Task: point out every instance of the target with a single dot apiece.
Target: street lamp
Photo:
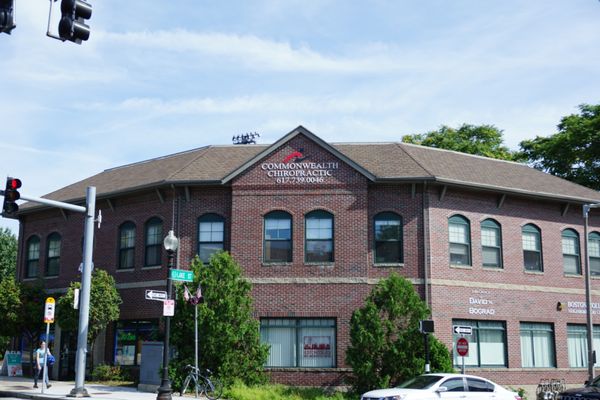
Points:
(164, 391)
(588, 291)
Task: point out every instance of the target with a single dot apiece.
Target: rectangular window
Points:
(299, 342)
(532, 254)
(129, 336)
(278, 239)
(577, 344)
(211, 234)
(570, 249)
(319, 239)
(490, 247)
(154, 244)
(594, 253)
(537, 345)
(53, 259)
(487, 344)
(33, 258)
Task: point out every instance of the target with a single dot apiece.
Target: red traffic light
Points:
(13, 183)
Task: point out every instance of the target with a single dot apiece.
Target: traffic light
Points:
(71, 26)
(7, 16)
(11, 195)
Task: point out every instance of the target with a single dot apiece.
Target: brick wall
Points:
(333, 290)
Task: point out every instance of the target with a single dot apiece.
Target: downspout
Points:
(426, 258)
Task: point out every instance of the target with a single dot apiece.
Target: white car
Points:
(443, 386)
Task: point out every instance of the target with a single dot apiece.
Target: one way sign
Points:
(159, 295)
(462, 330)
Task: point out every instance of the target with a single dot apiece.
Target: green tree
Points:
(386, 346)
(8, 253)
(10, 301)
(483, 140)
(573, 152)
(104, 307)
(30, 323)
(229, 342)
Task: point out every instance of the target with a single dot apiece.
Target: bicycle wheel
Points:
(185, 385)
(213, 388)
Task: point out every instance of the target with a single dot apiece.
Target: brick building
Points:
(490, 244)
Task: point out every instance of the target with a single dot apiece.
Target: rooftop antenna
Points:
(245, 138)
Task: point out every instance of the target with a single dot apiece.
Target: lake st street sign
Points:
(462, 330)
(181, 275)
(159, 295)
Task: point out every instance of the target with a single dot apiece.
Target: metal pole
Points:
(45, 368)
(196, 342)
(427, 368)
(86, 282)
(164, 391)
(588, 296)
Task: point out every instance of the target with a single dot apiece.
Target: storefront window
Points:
(129, 336)
(537, 345)
(487, 344)
(299, 342)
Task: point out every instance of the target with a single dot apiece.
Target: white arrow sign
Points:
(159, 295)
(462, 330)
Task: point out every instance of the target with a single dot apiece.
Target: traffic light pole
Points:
(86, 278)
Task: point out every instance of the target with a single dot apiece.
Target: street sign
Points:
(169, 308)
(159, 295)
(181, 275)
(462, 347)
(49, 310)
(462, 330)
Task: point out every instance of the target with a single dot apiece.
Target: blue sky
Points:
(161, 77)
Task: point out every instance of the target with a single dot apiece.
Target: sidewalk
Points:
(23, 388)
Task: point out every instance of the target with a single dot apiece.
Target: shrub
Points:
(104, 372)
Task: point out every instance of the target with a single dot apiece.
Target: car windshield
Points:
(420, 382)
(595, 382)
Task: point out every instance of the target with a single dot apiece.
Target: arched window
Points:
(53, 255)
(318, 237)
(154, 237)
(388, 238)
(33, 257)
(594, 253)
(211, 234)
(278, 237)
(459, 235)
(127, 245)
(491, 243)
(570, 250)
(532, 248)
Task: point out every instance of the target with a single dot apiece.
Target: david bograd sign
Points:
(295, 168)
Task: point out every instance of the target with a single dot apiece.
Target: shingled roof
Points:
(380, 162)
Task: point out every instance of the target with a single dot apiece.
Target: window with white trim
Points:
(459, 237)
(537, 345)
(570, 250)
(295, 342)
(491, 243)
(278, 237)
(532, 248)
(211, 236)
(487, 344)
(594, 253)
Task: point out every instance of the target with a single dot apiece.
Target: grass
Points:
(239, 391)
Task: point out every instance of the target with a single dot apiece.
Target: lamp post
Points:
(588, 292)
(164, 391)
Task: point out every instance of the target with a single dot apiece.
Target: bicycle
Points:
(212, 388)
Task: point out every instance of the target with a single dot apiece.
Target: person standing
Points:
(40, 355)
